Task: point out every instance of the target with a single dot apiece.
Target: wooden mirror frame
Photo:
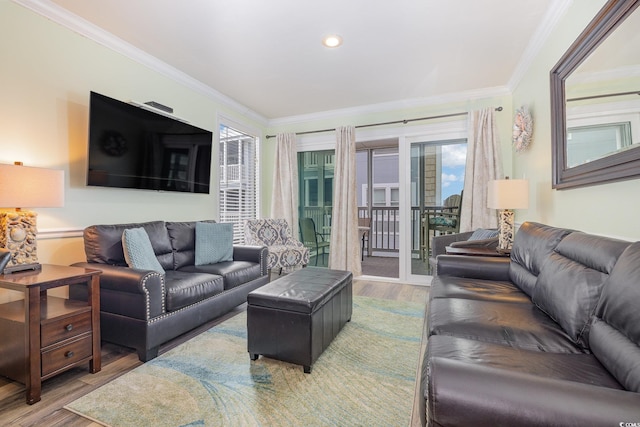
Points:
(618, 166)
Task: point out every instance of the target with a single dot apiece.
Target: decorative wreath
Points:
(522, 128)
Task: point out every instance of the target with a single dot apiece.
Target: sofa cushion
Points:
(287, 256)
(234, 273)
(578, 367)
(615, 333)
(182, 236)
(103, 243)
(532, 245)
(138, 251)
(571, 280)
(512, 324)
(485, 290)
(184, 288)
(214, 243)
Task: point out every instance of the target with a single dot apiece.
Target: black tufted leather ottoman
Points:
(295, 318)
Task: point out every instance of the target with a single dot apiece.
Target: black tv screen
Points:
(131, 147)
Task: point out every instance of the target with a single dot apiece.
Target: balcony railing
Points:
(385, 225)
(229, 173)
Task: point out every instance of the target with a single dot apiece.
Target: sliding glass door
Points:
(399, 177)
(315, 170)
(437, 172)
(378, 188)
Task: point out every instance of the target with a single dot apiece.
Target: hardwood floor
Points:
(116, 360)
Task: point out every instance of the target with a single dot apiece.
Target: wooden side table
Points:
(451, 250)
(41, 335)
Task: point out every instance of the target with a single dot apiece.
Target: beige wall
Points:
(608, 209)
(46, 75)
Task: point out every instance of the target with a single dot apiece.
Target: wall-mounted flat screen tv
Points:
(131, 147)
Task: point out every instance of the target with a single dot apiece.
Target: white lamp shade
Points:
(508, 194)
(29, 187)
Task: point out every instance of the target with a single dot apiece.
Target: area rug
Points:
(365, 377)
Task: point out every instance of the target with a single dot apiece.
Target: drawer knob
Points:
(68, 354)
(69, 327)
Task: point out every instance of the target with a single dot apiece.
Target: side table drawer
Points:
(72, 352)
(65, 328)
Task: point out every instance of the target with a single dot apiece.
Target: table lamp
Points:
(506, 195)
(25, 187)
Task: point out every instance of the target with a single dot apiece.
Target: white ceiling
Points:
(268, 56)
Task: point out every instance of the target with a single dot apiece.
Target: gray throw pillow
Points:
(138, 251)
(481, 234)
(214, 242)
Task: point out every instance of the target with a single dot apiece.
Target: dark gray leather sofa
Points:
(550, 336)
(144, 309)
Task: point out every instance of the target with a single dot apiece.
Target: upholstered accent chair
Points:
(285, 252)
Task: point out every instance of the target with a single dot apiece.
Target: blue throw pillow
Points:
(138, 251)
(481, 234)
(214, 242)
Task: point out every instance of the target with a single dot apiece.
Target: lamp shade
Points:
(29, 187)
(508, 194)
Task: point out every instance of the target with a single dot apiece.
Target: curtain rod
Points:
(606, 95)
(405, 121)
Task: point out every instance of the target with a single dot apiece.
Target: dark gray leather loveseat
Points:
(143, 309)
(550, 336)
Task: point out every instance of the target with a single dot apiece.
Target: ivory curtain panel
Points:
(344, 252)
(484, 163)
(284, 202)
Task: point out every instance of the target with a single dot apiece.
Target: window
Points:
(588, 143)
(596, 133)
(383, 195)
(238, 179)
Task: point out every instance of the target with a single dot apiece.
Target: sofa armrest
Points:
(439, 243)
(474, 267)
(257, 254)
(464, 394)
(479, 243)
(140, 285)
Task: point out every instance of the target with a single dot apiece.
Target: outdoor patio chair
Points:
(313, 240)
(441, 220)
(364, 228)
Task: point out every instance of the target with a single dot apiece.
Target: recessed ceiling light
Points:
(333, 40)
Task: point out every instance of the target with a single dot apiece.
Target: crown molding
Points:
(549, 22)
(74, 23)
(394, 106)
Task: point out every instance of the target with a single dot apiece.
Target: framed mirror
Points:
(595, 101)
